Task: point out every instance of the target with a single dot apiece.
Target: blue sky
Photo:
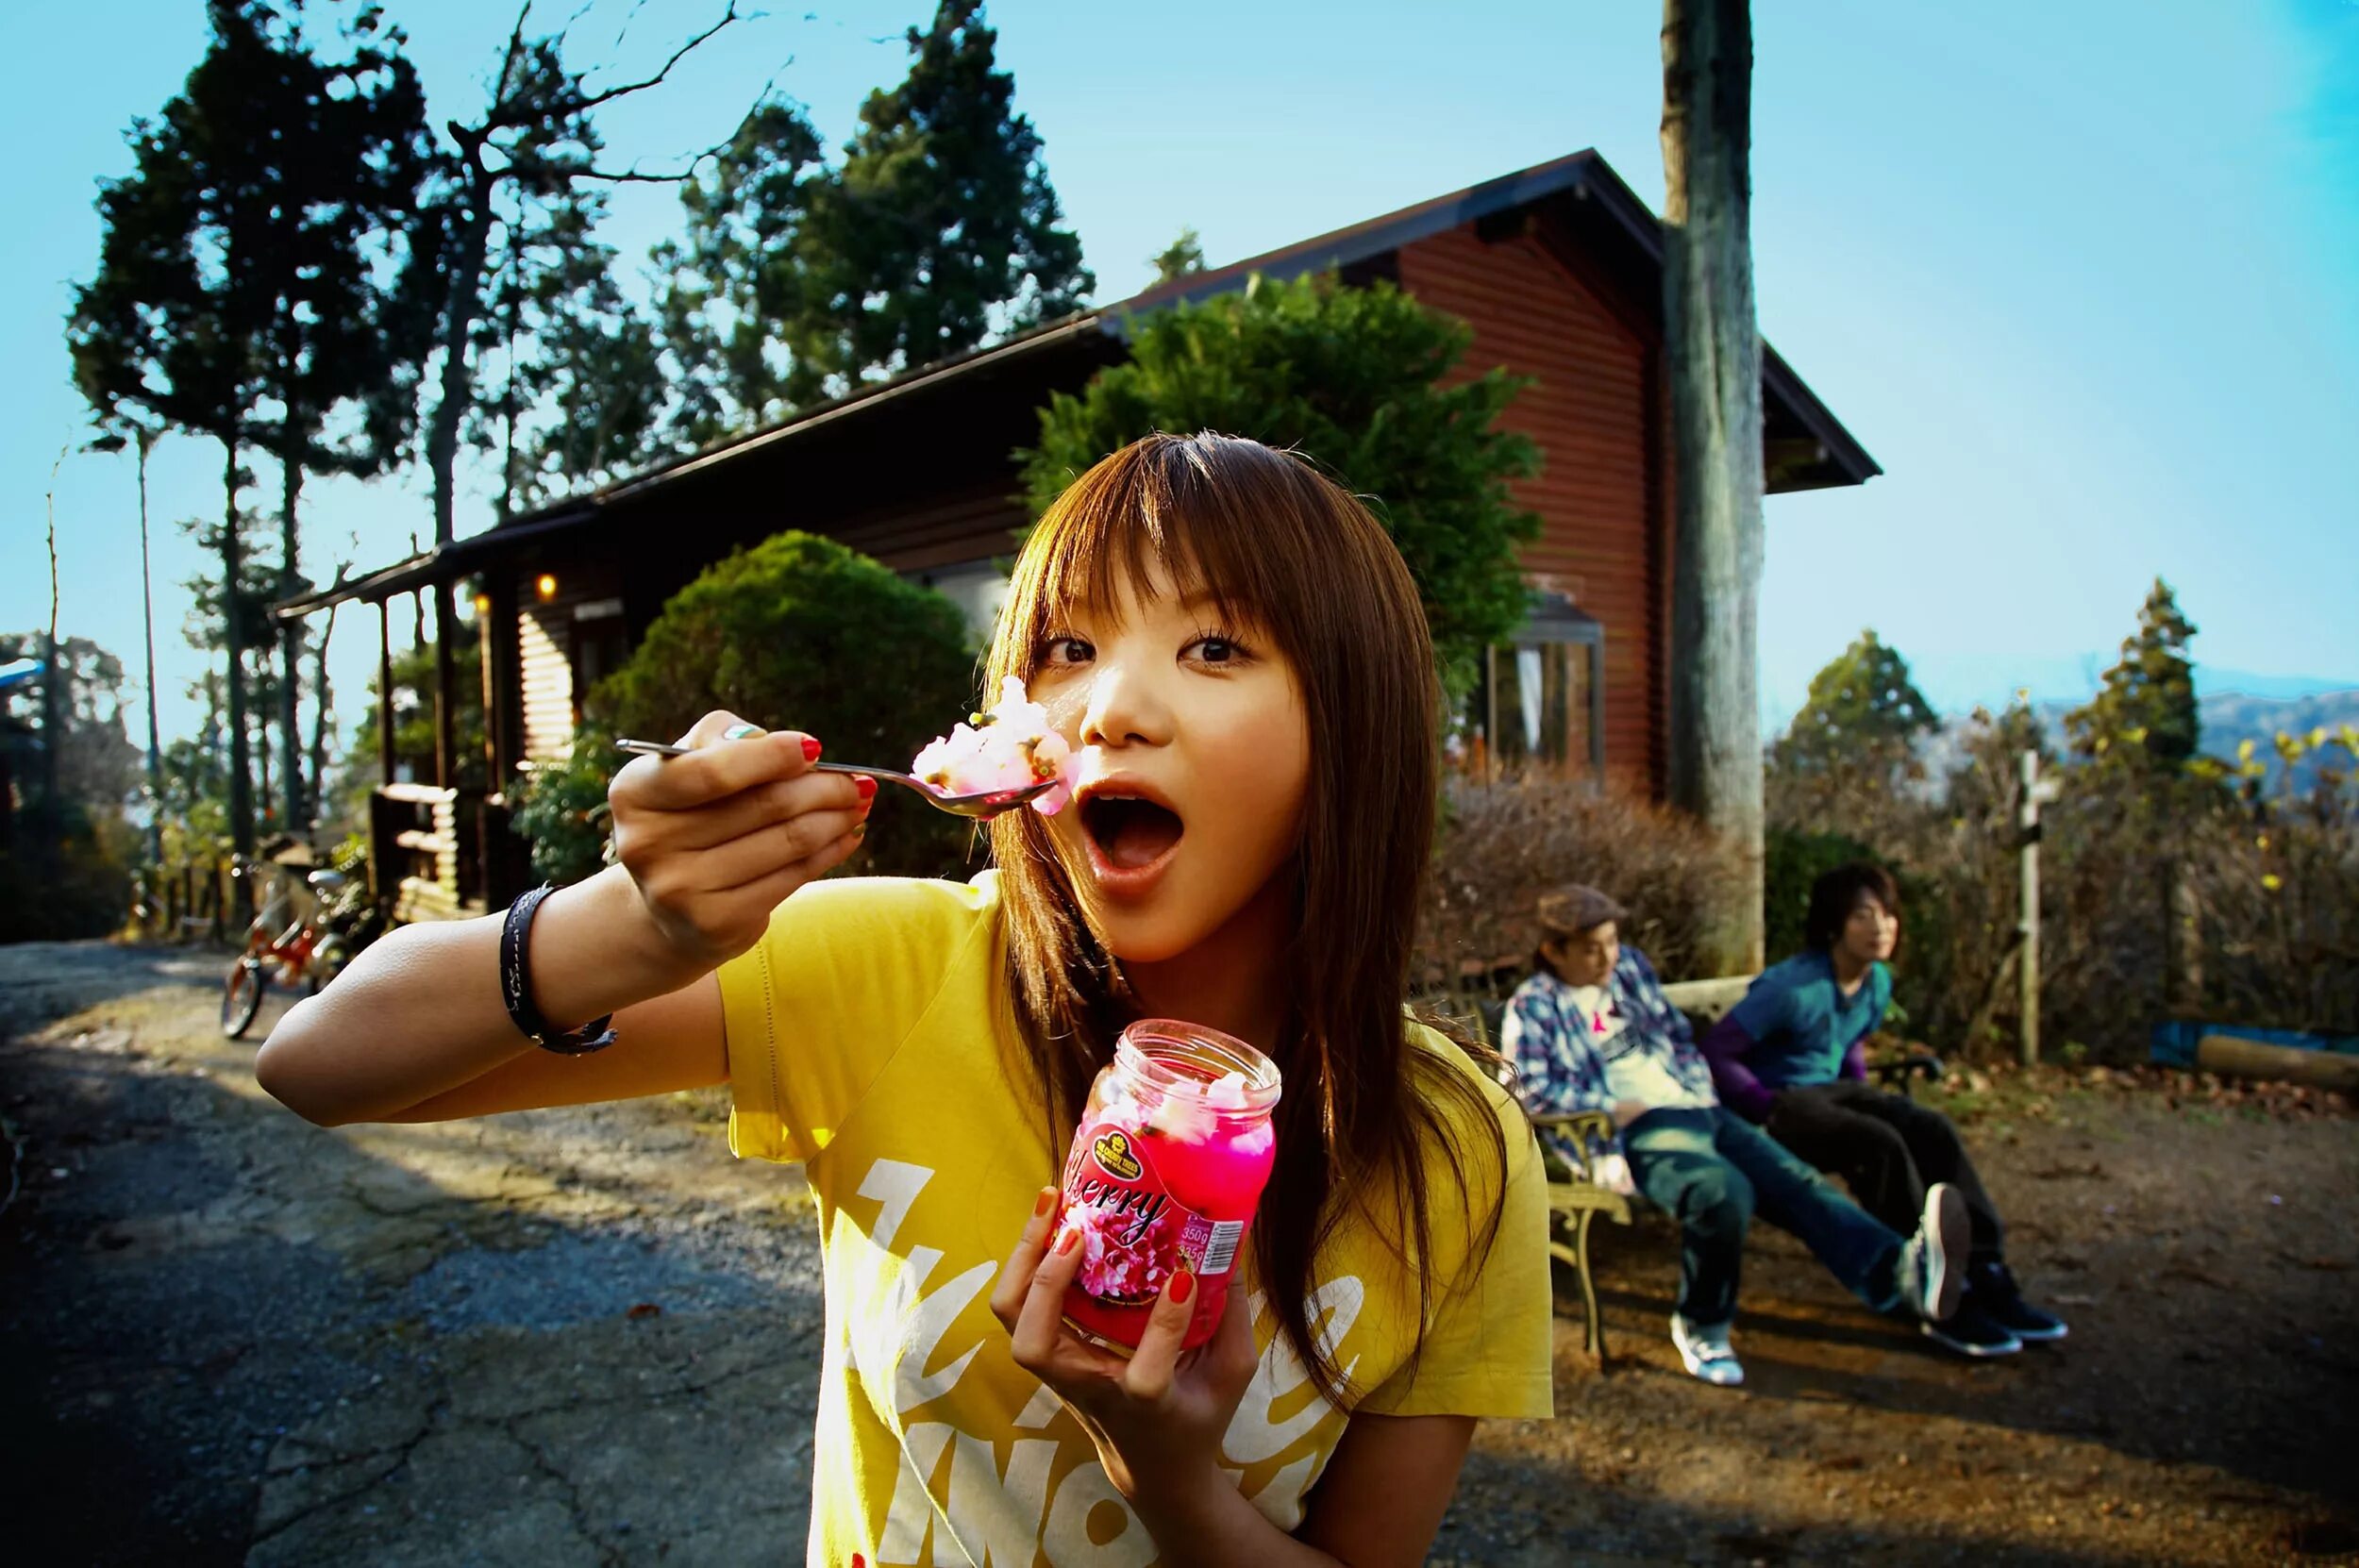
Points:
(2081, 277)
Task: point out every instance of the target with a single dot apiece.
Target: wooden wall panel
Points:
(1587, 408)
(544, 638)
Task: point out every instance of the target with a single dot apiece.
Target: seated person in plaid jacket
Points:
(1592, 1030)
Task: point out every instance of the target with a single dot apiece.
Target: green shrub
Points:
(560, 809)
(801, 633)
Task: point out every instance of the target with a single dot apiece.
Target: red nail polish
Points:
(865, 785)
(810, 749)
(1182, 1286)
(1065, 1239)
(1040, 1204)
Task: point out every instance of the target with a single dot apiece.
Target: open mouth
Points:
(1131, 833)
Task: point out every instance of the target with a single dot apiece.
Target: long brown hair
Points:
(1285, 549)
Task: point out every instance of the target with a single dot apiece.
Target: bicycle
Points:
(312, 949)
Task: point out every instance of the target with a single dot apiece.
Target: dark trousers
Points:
(1889, 1149)
(1710, 1170)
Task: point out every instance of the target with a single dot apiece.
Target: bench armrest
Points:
(1901, 1071)
(1579, 1126)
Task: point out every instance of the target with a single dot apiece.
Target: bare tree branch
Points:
(595, 99)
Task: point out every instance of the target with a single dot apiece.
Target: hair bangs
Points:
(1218, 518)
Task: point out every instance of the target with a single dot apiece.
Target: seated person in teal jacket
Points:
(1793, 1057)
(1592, 1030)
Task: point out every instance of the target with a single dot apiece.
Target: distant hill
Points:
(2229, 718)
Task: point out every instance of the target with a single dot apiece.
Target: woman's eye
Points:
(1065, 650)
(1217, 650)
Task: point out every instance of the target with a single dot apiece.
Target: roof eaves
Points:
(580, 507)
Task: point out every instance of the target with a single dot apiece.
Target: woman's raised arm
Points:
(710, 843)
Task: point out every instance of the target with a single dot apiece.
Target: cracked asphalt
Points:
(572, 1337)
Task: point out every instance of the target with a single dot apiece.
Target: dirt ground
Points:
(590, 1336)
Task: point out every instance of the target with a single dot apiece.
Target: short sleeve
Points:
(816, 1009)
(1489, 1345)
(1765, 1011)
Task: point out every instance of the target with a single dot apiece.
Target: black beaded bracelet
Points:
(516, 987)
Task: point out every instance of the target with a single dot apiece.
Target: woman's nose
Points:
(1123, 706)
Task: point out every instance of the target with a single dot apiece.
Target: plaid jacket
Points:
(1547, 1038)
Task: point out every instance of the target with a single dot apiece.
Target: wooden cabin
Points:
(1558, 271)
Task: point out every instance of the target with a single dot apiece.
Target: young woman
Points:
(1236, 652)
(1793, 1056)
(1592, 1030)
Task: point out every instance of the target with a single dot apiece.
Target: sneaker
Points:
(1970, 1331)
(1931, 1280)
(1706, 1353)
(1991, 1286)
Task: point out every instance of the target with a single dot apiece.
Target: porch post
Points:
(384, 690)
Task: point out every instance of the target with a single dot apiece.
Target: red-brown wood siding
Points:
(1587, 407)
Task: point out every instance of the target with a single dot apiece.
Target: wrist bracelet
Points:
(516, 987)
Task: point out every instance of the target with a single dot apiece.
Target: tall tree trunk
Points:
(464, 302)
(241, 763)
(291, 642)
(1713, 357)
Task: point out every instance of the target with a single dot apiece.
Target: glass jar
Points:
(1165, 1173)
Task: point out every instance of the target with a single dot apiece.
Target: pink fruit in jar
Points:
(1165, 1173)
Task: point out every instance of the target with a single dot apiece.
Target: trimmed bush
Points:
(801, 633)
(1502, 844)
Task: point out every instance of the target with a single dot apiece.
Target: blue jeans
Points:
(1711, 1170)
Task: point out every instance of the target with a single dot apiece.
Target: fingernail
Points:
(1041, 1204)
(860, 831)
(1065, 1239)
(810, 749)
(738, 732)
(865, 785)
(1182, 1286)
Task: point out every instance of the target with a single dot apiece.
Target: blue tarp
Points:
(2173, 1044)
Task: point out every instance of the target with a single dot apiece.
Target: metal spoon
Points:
(982, 806)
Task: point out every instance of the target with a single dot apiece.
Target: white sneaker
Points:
(1932, 1272)
(1706, 1352)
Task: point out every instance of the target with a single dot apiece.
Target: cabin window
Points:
(977, 587)
(1540, 697)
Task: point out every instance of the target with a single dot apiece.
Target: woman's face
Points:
(1871, 931)
(1195, 763)
(1585, 958)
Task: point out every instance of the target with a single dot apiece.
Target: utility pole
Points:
(147, 439)
(2033, 792)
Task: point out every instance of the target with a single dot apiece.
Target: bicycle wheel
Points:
(241, 996)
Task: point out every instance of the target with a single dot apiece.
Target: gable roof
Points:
(1581, 189)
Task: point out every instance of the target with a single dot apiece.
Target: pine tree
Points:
(736, 294)
(2144, 716)
(1863, 701)
(942, 228)
(1183, 258)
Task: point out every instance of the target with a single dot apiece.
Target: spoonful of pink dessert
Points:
(1005, 758)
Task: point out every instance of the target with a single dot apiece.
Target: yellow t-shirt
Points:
(870, 1033)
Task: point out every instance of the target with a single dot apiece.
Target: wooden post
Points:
(446, 700)
(1712, 355)
(2182, 949)
(384, 690)
(2027, 920)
